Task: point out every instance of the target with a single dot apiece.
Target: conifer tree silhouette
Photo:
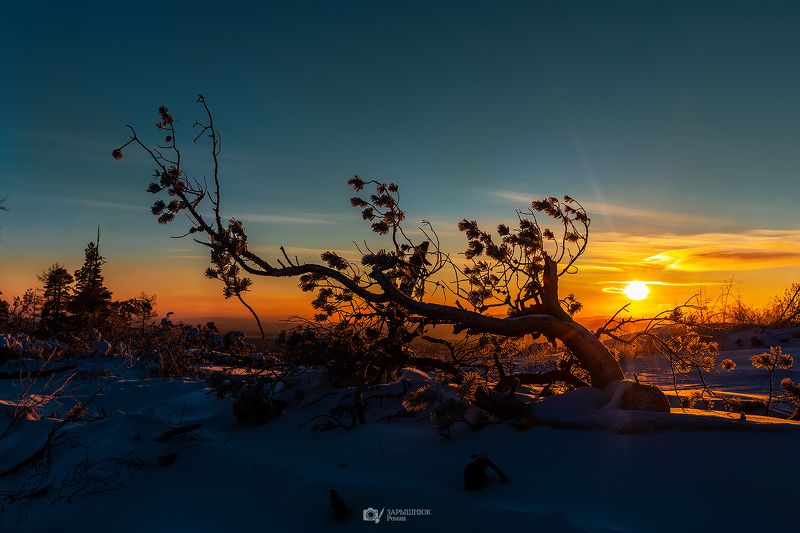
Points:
(92, 297)
(57, 283)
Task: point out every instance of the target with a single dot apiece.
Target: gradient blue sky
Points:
(671, 119)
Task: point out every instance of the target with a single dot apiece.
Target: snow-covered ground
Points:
(590, 468)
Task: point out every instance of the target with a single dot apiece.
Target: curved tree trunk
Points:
(587, 348)
(552, 323)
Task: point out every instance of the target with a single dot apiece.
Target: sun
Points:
(637, 290)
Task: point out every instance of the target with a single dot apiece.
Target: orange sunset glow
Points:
(759, 264)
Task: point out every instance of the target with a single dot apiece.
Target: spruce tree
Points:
(92, 297)
(57, 283)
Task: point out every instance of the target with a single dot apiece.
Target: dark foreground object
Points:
(475, 473)
(340, 510)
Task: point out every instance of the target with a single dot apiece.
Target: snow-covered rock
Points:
(633, 396)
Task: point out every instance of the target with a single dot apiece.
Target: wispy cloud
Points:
(716, 258)
(650, 216)
(699, 252)
(96, 204)
(55, 138)
(299, 218)
(615, 289)
(619, 290)
(598, 268)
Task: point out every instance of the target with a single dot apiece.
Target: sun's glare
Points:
(637, 290)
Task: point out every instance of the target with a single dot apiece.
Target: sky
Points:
(675, 123)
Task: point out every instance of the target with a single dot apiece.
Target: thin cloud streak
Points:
(620, 290)
(613, 290)
(289, 219)
(716, 258)
(600, 268)
(612, 210)
(614, 287)
(98, 204)
(701, 252)
(54, 138)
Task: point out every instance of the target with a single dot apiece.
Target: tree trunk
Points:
(592, 354)
(587, 348)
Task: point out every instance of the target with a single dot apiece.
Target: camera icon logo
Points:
(372, 515)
